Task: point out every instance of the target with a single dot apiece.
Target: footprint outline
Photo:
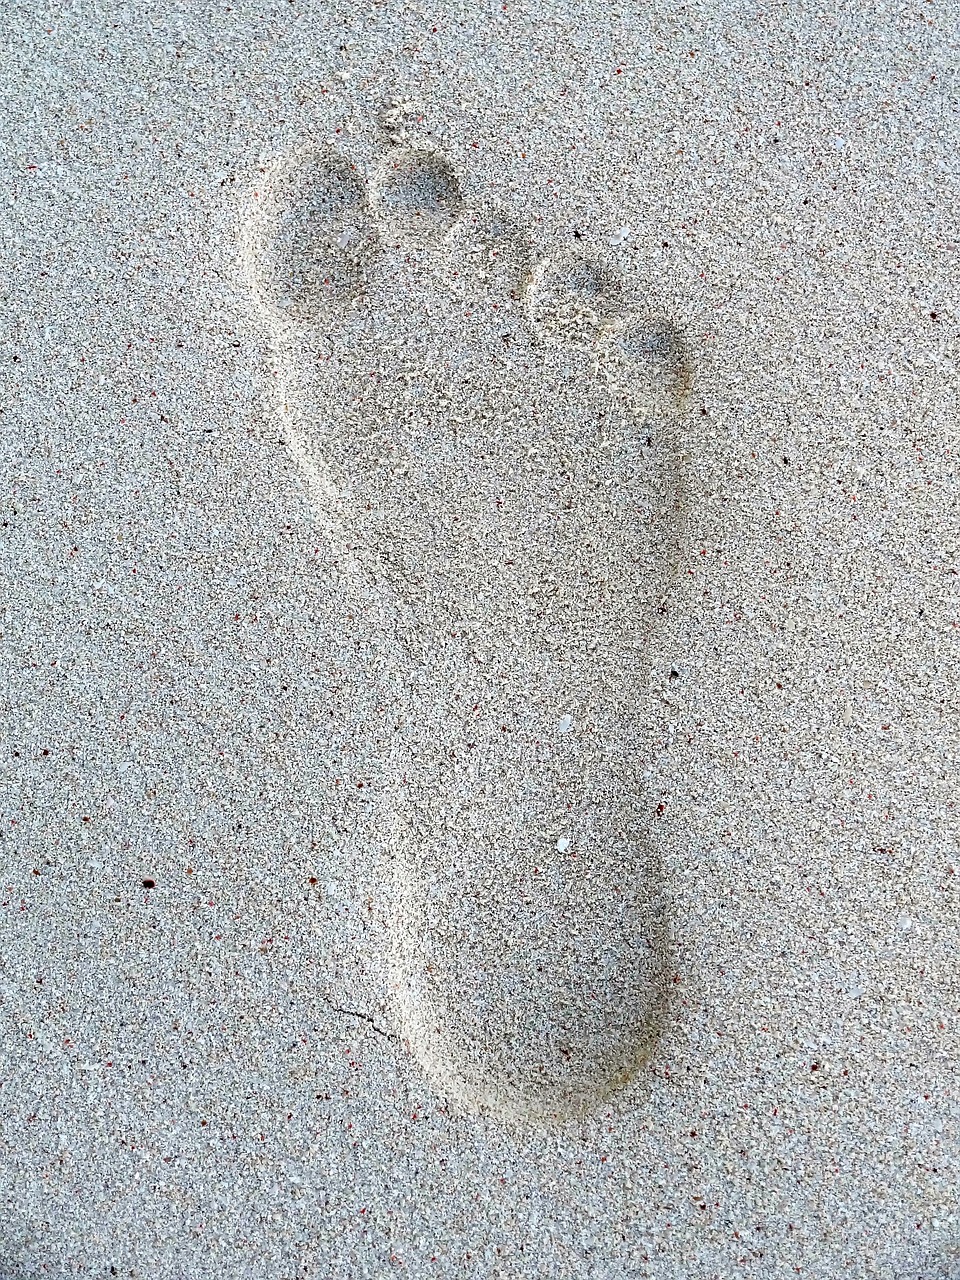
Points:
(598, 326)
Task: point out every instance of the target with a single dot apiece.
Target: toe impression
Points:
(309, 237)
(417, 196)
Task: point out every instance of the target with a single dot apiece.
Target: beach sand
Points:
(480, 627)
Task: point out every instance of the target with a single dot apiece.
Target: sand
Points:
(479, 637)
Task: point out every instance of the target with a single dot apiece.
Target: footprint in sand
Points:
(495, 438)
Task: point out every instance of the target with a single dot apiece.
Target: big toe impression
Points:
(309, 237)
(531, 981)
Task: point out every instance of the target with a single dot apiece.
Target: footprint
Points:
(507, 472)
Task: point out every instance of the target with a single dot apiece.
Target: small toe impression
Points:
(417, 195)
(310, 237)
(493, 254)
(569, 299)
(644, 359)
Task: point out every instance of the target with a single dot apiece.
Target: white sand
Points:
(206, 653)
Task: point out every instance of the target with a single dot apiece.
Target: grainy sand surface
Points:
(479, 634)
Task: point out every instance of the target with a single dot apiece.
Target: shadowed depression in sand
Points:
(523, 543)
